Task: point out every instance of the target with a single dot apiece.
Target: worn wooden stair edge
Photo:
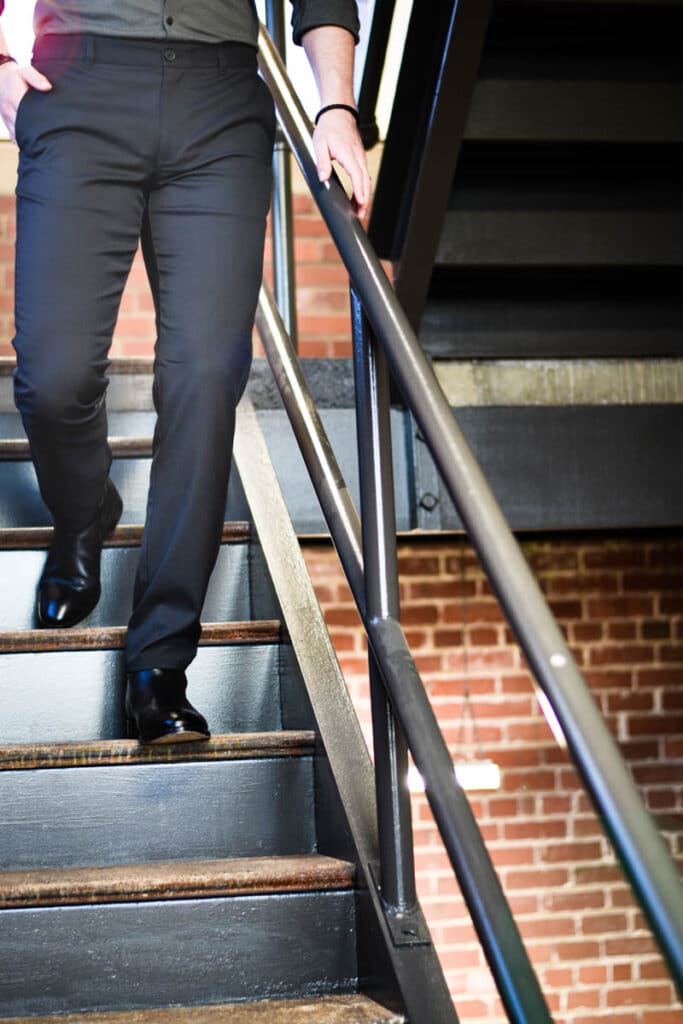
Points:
(40, 537)
(120, 364)
(348, 1009)
(173, 880)
(260, 631)
(17, 449)
(99, 753)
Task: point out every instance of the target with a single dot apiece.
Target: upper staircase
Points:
(533, 210)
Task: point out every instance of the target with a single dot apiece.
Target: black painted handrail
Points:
(643, 854)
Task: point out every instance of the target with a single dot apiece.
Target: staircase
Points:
(200, 883)
(564, 233)
(543, 267)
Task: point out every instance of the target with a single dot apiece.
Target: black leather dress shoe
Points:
(69, 587)
(157, 709)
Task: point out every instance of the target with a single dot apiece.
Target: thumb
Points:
(34, 78)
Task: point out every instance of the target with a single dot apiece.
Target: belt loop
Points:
(90, 49)
(222, 56)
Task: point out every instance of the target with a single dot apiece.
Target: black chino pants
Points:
(173, 141)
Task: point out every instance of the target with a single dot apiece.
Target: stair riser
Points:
(126, 956)
(129, 814)
(540, 109)
(129, 392)
(228, 598)
(22, 506)
(119, 424)
(60, 696)
(489, 237)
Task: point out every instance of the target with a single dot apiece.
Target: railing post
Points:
(282, 229)
(375, 59)
(381, 600)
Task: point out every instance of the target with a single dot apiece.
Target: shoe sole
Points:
(186, 736)
(177, 737)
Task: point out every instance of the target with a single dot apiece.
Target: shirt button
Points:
(169, 20)
(169, 55)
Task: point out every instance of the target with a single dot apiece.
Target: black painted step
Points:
(39, 538)
(154, 808)
(173, 880)
(62, 695)
(95, 754)
(112, 638)
(581, 70)
(520, 312)
(566, 207)
(352, 1009)
(22, 555)
(532, 108)
(21, 505)
(126, 423)
(122, 956)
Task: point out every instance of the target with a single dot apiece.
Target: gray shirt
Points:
(207, 21)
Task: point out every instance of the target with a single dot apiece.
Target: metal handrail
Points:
(642, 852)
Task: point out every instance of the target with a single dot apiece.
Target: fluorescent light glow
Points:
(551, 718)
(478, 774)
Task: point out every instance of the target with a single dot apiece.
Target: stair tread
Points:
(165, 880)
(129, 535)
(120, 364)
(17, 449)
(98, 753)
(348, 1009)
(114, 637)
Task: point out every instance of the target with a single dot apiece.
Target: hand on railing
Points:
(330, 52)
(336, 138)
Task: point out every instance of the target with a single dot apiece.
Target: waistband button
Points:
(169, 55)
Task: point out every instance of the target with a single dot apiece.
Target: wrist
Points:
(350, 108)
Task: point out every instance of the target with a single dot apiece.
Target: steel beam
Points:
(443, 51)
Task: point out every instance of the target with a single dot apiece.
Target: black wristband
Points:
(6, 59)
(336, 106)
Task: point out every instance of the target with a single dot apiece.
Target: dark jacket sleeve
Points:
(312, 13)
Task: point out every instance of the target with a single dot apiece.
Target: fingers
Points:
(361, 186)
(34, 78)
(336, 138)
(323, 160)
(15, 82)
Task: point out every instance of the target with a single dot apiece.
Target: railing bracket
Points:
(408, 927)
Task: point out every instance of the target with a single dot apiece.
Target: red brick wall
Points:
(621, 605)
(322, 291)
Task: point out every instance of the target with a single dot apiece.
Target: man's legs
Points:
(189, 130)
(204, 246)
(78, 222)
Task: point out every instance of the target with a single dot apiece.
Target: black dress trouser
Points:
(172, 142)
